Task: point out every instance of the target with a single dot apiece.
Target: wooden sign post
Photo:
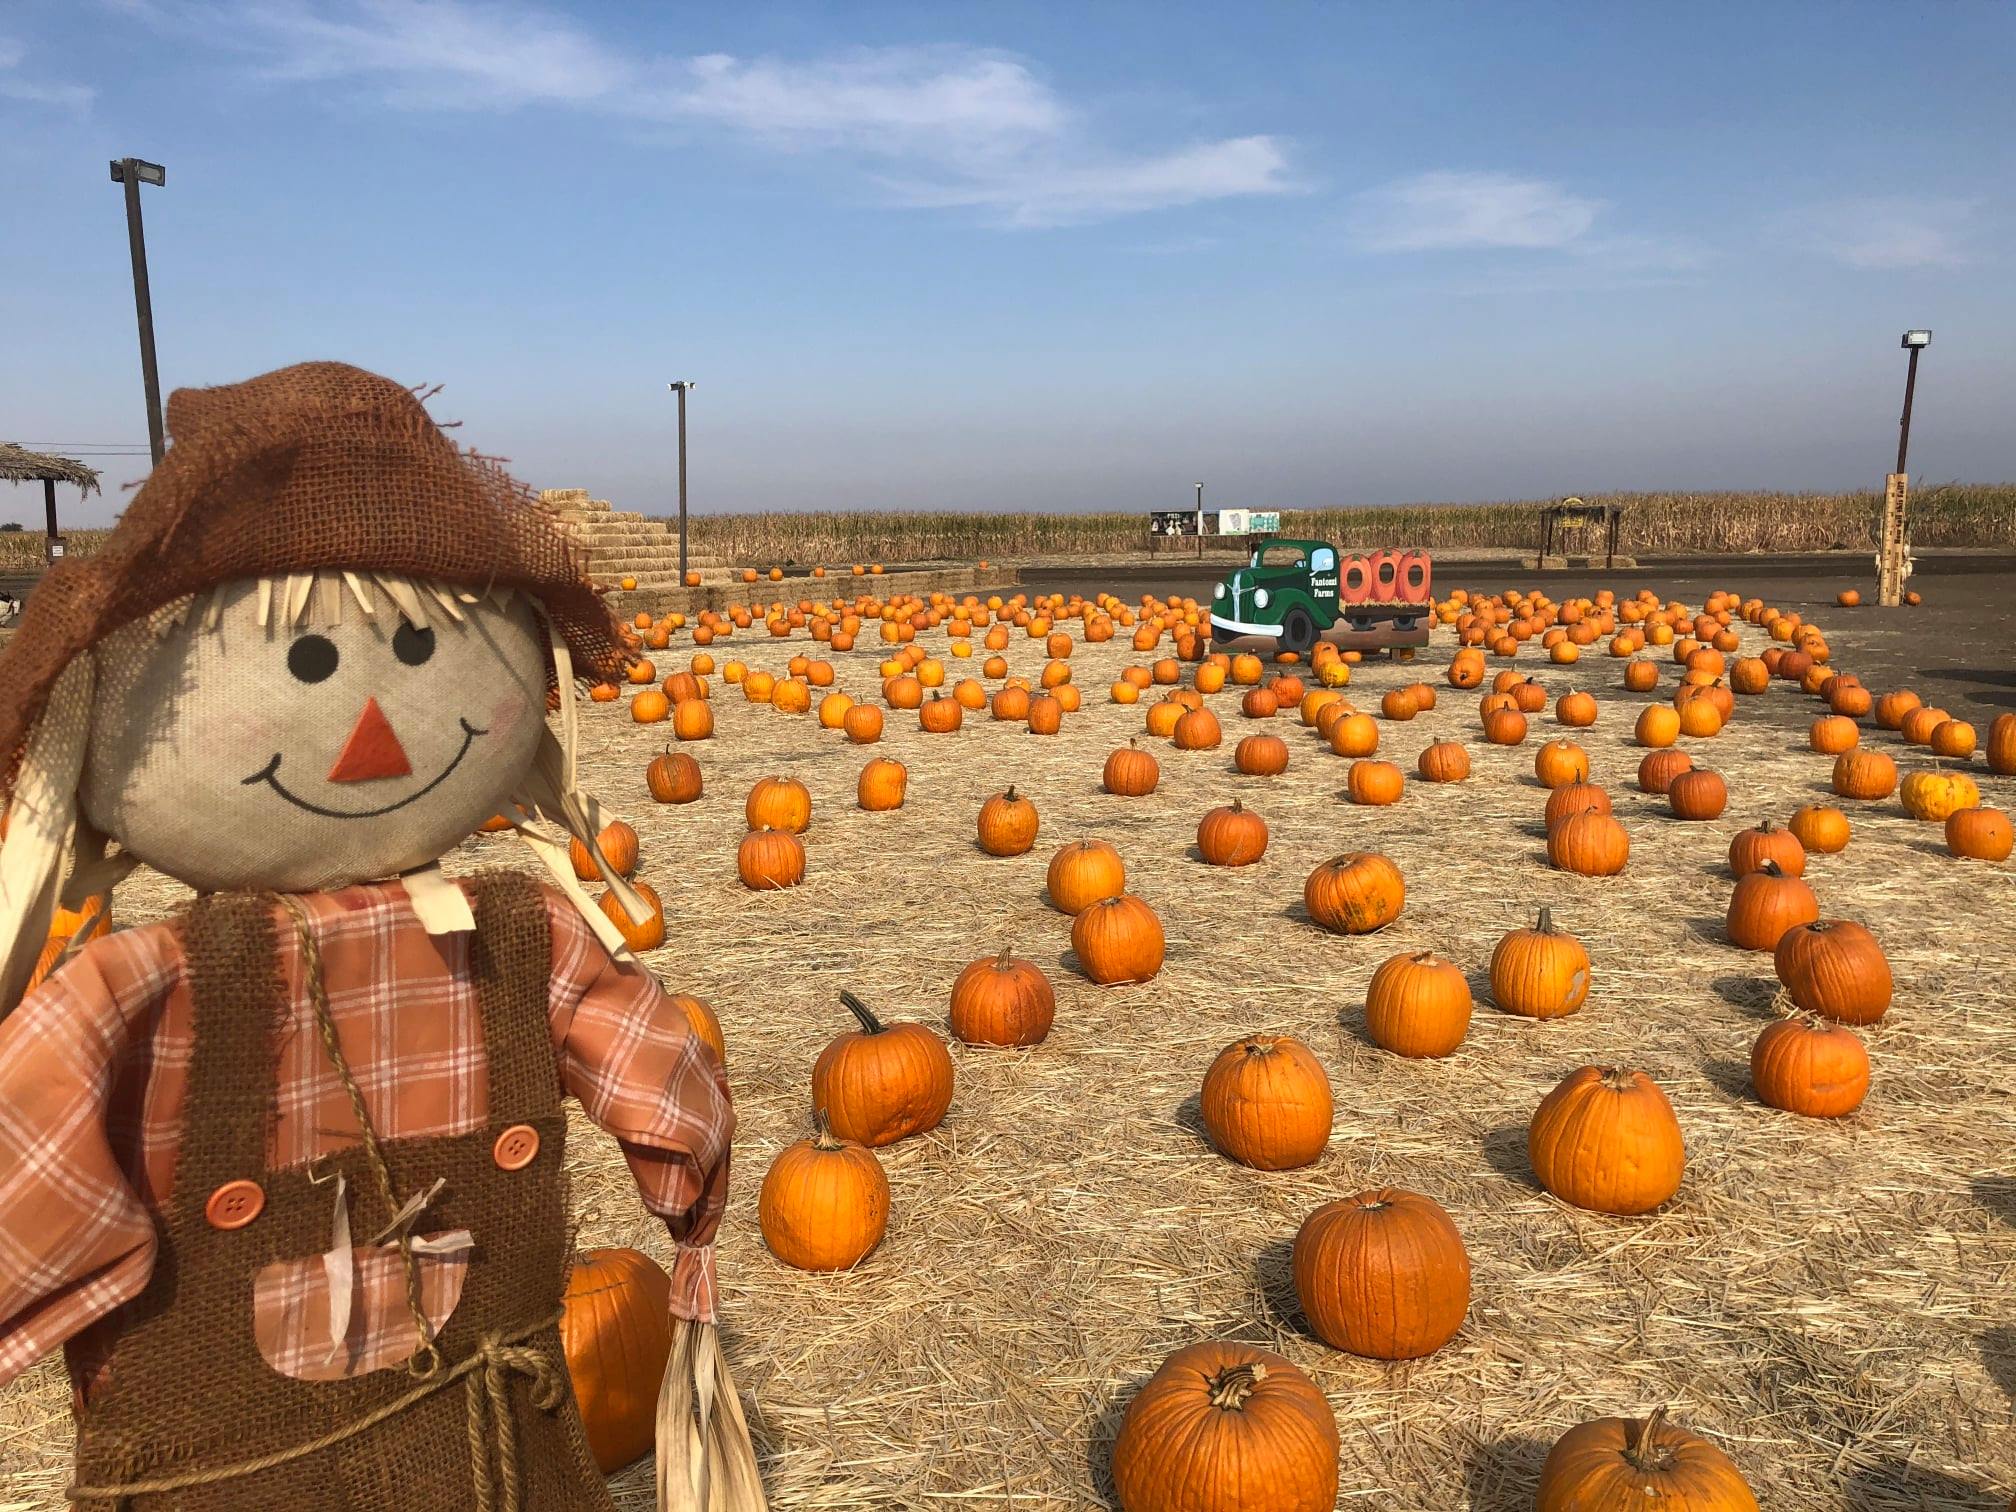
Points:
(1893, 549)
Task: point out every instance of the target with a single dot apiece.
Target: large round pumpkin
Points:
(1589, 843)
(1542, 972)
(1383, 1274)
(1008, 824)
(779, 803)
(1418, 1005)
(1267, 1103)
(1766, 903)
(1082, 873)
(1637, 1465)
(1767, 842)
(1836, 968)
(1131, 772)
(824, 1203)
(1607, 1140)
(616, 1331)
(882, 1082)
(1232, 835)
(1937, 795)
(1354, 893)
(1980, 834)
(1811, 1066)
(1118, 939)
(999, 1000)
(1225, 1427)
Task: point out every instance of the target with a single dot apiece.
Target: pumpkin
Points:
(1008, 824)
(1867, 775)
(1261, 756)
(1822, 830)
(1892, 707)
(1658, 726)
(1657, 771)
(939, 715)
(1011, 703)
(1541, 973)
(1162, 717)
(1398, 705)
(1375, 782)
(647, 935)
(1560, 762)
(673, 777)
(616, 1332)
(1835, 968)
(1231, 836)
(2002, 745)
(1382, 1274)
(1979, 834)
(1505, 727)
(1954, 739)
(779, 803)
(1811, 1066)
(1936, 795)
(882, 1082)
(1131, 772)
(1354, 893)
(1918, 725)
(862, 724)
(1765, 904)
(1082, 873)
(881, 784)
(1747, 674)
(1573, 799)
(1608, 1141)
(1623, 1464)
(1354, 735)
(650, 706)
(1197, 730)
(770, 858)
(1528, 696)
(1046, 715)
(1266, 1103)
(1226, 1427)
(1832, 734)
(618, 845)
(1767, 842)
(1641, 676)
(1117, 940)
(824, 1203)
(1259, 703)
(1466, 669)
(706, 1025)
(1590, 843)
(1444, 761)
(1418, 1005)
(1698, 794)
(1577, 710)
(999, 1000)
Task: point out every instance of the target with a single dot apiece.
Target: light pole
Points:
(680, 387)
(1893, 554)
(1200, 520)
(133, 172)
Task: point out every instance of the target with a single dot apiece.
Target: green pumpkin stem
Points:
(869, 1023)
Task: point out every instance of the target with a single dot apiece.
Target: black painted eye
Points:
(412, 646)
(312, 658)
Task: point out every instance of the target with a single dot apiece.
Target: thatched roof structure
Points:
(19, 465)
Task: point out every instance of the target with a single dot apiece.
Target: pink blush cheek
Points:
(506, 714)
(240, 733)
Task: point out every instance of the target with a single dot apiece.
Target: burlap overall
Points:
(187, 1401)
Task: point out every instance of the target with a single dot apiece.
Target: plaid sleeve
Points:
(75, 1239)
(627, 1052)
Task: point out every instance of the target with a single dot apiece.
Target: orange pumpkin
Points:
(824, 1204)
(882, 1082)
(616, 1333)
(1266, 1103)
(1354, 893)
(1008, 824)
(1118, 939)
(1232, 836)
(999, 1000)
(1261, 755)
(1418, 1005)
(1383, 1274)
(1810, 1066)
(1375, 782)
(1082, 873)
(618, 845)
(1608, 1141)
(1765, 904)
(1821, 830)
(1622, 1464)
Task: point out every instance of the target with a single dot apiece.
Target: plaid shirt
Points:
(94, 1070)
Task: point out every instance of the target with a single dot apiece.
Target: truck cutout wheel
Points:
(1298, 632)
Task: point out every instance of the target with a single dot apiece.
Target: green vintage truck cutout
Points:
(1287, 595)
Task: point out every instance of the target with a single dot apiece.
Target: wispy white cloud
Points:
(1445, 211)
(30, 88)
(1884, 234)
(937, 126)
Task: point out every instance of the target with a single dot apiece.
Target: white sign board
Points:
(1233, 521)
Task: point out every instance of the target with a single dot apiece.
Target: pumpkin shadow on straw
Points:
(1906, 1485)
(1997, 1194)
(1715, 930)
(1099, 1442)
(1274, 1280)
(1190, 1115)
(1503, 1475)
(1505, 1152)
(1753, 996)
(1729, 1077)
(1998, 1353)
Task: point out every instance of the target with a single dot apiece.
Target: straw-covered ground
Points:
(1833, 1303)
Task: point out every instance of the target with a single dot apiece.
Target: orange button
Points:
(235, 1204)
(516, 1147)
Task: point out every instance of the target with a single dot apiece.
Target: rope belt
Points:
(488, 1375)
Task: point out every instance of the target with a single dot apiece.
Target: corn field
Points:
(1655, 524)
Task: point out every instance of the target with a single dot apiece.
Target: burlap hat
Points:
(317, 466)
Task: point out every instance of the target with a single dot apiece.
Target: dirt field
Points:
(1831, 1302)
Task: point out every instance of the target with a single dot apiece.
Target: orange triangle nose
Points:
(372, 752)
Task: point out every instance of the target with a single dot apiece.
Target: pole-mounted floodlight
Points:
(1917, 338)
(681, 386)
(1914, 342)
(133, 172)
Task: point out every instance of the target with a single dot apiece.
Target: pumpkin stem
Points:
(1619, 1078)
(1771, 869)
(1238, 807)
(1009, 796)
(1545, 923)
(1229, 1389)
(823, 1137)
(869, 1023)
(1004, 960)
(1641, 1443)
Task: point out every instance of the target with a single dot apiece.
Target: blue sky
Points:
(1041, 256)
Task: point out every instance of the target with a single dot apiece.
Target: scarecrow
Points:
(284, 1175)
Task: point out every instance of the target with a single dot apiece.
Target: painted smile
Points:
(269, 774)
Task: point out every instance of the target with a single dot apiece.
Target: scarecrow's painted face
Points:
(310, 756)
